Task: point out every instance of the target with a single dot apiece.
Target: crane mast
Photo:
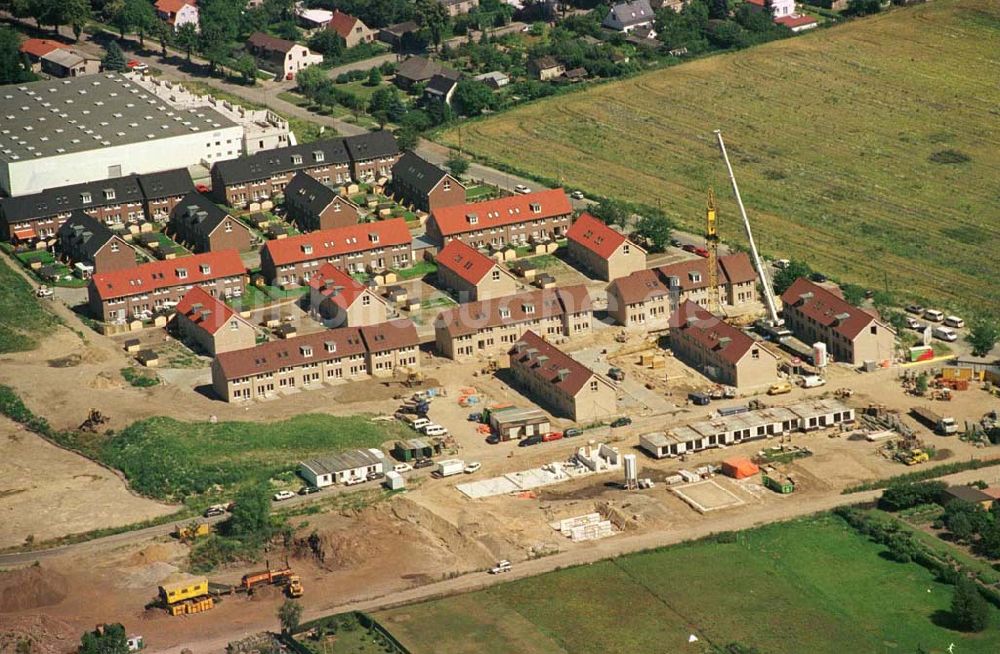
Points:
(772, 310)
(712, 245)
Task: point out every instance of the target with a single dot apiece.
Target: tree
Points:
(433, 16)
(246, 65)
(12, 65)
(406, 138)
(965, 519)
(187, 39)
(457, 164)
(787, 276)
(329, 44)
(983, 335)
(854, 294)
(718, 9)
(656, 229)
(310, 80)
(922, 383)
(611, 212)
(135, 16)
(164, 34)
(386, 105)
(863, 7)
(472, 97)
(75, 13)
(969, 610)
(374, 77)
(903, 495)
(106, 639)
(114, 58)
(289, 614)
(251, 516)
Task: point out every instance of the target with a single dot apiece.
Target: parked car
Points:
(354, 481)
(522, 189)
(624, 421)
(472, 467)
(201, 188)
(912, 323)
(819, 278)
(281, 496)
(780, 388)
(552, 436)
(676, 243)
(422, 463)
(576, 195)
(435, 430)
(420, 423)
(781, 264)
(689, 247)
(136, 65)
(954, 321)
(213, 511)
(572, 431)
(501, 566)
(372, 476)
(933, 315)
(43, 291)
(700, 399)
(530, 440)
(812, 381)
(475, 417)
(945, 334)
(402, 467)
(916, 309)
(308, 490)
(492, 439)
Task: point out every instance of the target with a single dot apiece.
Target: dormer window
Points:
(296, 159)
(182, 273)
(85, 197)
(694, 277)
(528, 308)
(472, 218)
(318, 156)
(307, 249)
(306, 350)
(109, 194)
(504, 312)
(205, 269)
(373, 238)
(330, 346)
(535, 207)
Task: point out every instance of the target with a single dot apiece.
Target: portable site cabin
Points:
(345, 467)
(394, 481)
(778, 481)
(415, 448)
(514, 423)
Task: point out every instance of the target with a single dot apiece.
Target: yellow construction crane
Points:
(712, 245)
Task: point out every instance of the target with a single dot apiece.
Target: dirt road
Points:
(594, 551)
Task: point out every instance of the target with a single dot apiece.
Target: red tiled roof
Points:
(465, 261)
(818, 303)
(640, 286)
(342, 23)
(549, 363)
(504, 211)
(203, 309)
(711, 333)
(336, 285)
(759, 3)
(325, 345)
(392, 335)
(165, 274)
(795, 21)
(172, 6)
(513, 309)
(41, 47)
(733, 269)
(594, 235)
(339, 240)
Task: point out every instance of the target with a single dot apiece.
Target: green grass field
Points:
(169, 459)
(23, 319)
(835, 137)
(812, 585)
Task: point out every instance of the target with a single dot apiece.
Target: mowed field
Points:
(813, 585)
(831, 134)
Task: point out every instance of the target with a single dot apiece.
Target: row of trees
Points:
(653, 226)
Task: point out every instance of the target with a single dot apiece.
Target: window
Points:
(496, 275)
(114, 246)
(234, 325)
(205, 269)
(296, 159)
(873, 329)
(593, 385)
(85, 198)
(182, 273)
(447, 184)
(626, 249)
(109, 194)
(229, 227)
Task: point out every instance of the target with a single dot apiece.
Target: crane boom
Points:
(772, 309)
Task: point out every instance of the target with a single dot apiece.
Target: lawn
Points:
(859, 148)
(170, 459)
(422, 268)
(23, 319)
(812, 585)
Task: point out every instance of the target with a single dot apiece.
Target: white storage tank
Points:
(819, 354)
(631, 470)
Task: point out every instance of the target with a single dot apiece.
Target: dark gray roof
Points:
(84, 234)
(372, 145)
(417, 173)
(399, 29)
(418, 69)
(282, 160)
(64, 199)
(196, 215)
(165, 184)
(308, 192)
(441, 85)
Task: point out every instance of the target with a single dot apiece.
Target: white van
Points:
(435, 430)
(812, 381)
(944, 334)
(420, 423)
(954, 321)
(933, 315)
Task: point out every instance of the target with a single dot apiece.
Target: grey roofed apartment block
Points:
(270, 162)
(310, 193)
(87, 233)
(418, 173)
(167, 184)
(373, 145)
(77, 114)
(199, 214)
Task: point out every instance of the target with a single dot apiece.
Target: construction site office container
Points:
(180, 591)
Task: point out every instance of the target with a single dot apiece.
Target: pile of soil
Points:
(47, 635)
(30, 588)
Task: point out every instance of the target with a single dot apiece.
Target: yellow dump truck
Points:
(192, 531)
(185, 597)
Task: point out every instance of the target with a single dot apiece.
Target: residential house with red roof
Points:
(351, 30)
(310, 361)
(816, 314)
(178, 12)
(602, 250)
(554, 379)
(338, 300)
(471, 275)
(354, 249)
(128, 294)
(492, 326)
(539, 217)
(720, 351)
(643, 298)
(211, 324)
(284, 57)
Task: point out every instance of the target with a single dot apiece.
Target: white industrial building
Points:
(351, 466)
(85, 129)
(729, 430)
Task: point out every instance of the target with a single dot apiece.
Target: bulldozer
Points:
(94, 419)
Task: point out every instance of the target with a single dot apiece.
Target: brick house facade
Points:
(312, 205)
(518, 219)
(86, 240)
(603, 251)
(204, 227)
(422, 185)
(211, 324)
(471, 275)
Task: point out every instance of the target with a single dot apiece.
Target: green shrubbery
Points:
(139, 378)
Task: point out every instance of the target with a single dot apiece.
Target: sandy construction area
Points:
(47, 492)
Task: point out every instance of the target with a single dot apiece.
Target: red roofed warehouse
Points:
(308, 362)
(519, 219)
(350, 29)
(355, 248)
(492, 326)
(338, 300)
(720, 351)
(816, 314)
(553, 378)
(603, 251)
(211, 324)
(472, 275)
(128, 294)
